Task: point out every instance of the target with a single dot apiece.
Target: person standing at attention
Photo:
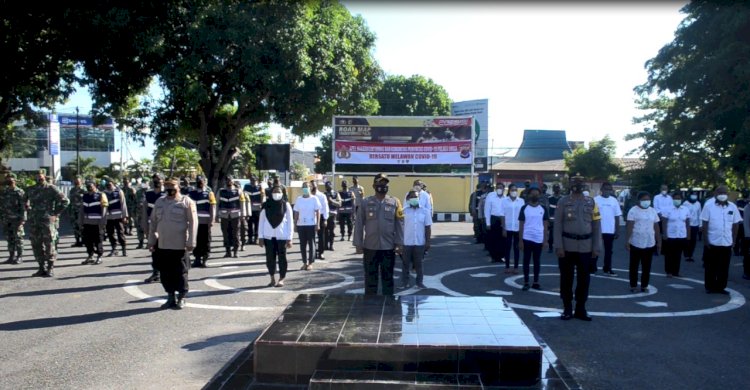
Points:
(491, 206)
(511, 210)
(676, 222)
(275, 232)
(609, 208)
(417, 232)
(306, 218)
(643, 237)
(533, 221)
(694, 208)
(721, 221)
(379, 235)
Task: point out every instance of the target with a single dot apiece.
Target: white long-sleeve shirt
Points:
(662, 203)
(284, 231)
(695, 212)
(324, 210)
(511, 210)
(493, 206)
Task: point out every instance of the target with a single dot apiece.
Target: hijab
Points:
(275, 210)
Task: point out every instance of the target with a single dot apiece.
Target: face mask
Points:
(605, 193)
(199, 184)
(381, 189)
(586, 193)
(417, 188)
(40, 181)
(722, 197)
(533, 198)
(414, 202)
(645, 204)
(664, 192)
(276, 196)
(677, 202)
(171, 191)
(500, 192)
(513, 194)
(157, 184)
(693, 198)
(576, 188)
(305, 191)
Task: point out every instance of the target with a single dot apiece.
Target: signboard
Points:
(413, 140)
(54, 135)
(272, 157)
(69, 121)
(477, 109)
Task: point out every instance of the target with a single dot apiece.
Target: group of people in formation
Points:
(578, 227)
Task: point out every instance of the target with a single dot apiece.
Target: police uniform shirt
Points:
(347, 202)
(174, 223)
(720, 220)
(577, 217)
(380, 224)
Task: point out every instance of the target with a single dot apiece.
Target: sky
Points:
(541, 65)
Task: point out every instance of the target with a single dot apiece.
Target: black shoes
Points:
(565, 316)
(113, 253)
(153, 278)
(536, 286)
(170, 302)
(526, 287)
(342, 238)
(235, 253)
(140, 246)
(582, 315)
(228, 254)
(89, 260)
(98, 260)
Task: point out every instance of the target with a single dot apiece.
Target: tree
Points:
(88, 169)
(299, 171)
(325, 154)
(234, 64)
(177, 160)
(413, 96)
(594, 163)
(697, 99)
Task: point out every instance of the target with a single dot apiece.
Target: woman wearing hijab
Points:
(275, 231)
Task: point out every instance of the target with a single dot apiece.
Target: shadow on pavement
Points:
(61, 291)
(53, 322)
(225, 338)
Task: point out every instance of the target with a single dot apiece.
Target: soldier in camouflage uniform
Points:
(46, 203)
(76, 195)
(132, 205)
(56, 240)
(13, 209)
(139, 198)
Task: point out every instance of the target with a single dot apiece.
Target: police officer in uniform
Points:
(359, 193)
(205, 205)
(92, 218)
(334, 202)
(231, 201)
(75, 194)
(174, 225)
(577, 240)
(13, 217)
(117, 215)
(346, 211)
(255, 196)
(244, 214)
(149, 200)
(379, 235)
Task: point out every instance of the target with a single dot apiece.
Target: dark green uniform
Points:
(131, 201)
(76, 195)
(44, 201)
(13, 218)
(140, 195)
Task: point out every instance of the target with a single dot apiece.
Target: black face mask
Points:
(533, 199)
(577, 188)
(381, 189)
(171, 191)
(199, 184)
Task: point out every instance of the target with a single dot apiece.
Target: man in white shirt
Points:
(306, 218)
(676, 222)
(662, 202)
(720, 225)
(493, 213)
(609, 210)
(324, 214)
(425, 201)
(417, 232)
(694, 208)
(511, 209)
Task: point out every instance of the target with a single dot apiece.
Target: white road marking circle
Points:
(511, 281)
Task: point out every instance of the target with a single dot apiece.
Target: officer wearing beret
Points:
(577, 239)
(379, 235)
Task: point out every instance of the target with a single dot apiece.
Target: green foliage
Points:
(413, 96)
(697, 98)
(594, 163)
(244, 160)
(88, 169)
(299, 171)
(176, 160)
(140, 169)
(325, 154)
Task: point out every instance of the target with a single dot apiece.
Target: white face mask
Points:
(513, 194)
(586, 193)
(722, 197)
(500, 191)
(417, 188)
(664, 192)
(276, 196)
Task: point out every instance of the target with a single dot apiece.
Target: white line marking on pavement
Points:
(546, 314)
(481, 275)
(680, 286)
(131, 287)
(652, 304)
(499, 292)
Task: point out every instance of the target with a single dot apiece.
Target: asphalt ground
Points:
(100, 326)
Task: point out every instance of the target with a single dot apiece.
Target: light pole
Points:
(78, 146)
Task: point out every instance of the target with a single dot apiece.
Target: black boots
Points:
(124, 251)
(112, 253)
(228, 254)
(153, 278)
(140, 245)
(170, 302)
(14, 260)
(50, 272)
(235, 253)
(180, 301)
(39, 272)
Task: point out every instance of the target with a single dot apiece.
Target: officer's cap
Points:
(89, 182)
(171, 180)
(328, 184)
(381, 178)
(577, 177)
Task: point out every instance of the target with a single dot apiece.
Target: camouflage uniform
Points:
(138, 213)
(76, 195)
(13, 210)
(132, 205)
(44, 201)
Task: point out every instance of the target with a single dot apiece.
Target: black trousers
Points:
(115, 225)
(244, 232)
(173, 266)
(477, 229)
(275, 249)
(511, 243)
(640, 257)
(230, 230)
(306, 236)
(551, 234)
(531, 250)
(738, 243)
(746, 256)
(330, 230)
(379, 262)
(494, 239)
(607, 240)
(92, 238)
(253, 222)
(673, 254)
(201, 241)
(322, 235)
(690, 245)
(716, 272)
(571, 264)
(345, 221)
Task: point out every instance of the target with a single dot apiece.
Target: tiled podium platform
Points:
(467, 338)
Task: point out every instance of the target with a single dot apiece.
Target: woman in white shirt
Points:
(307, 214)
(511, 206)
(643, 238)
(694, 207)
(533, 231)
(676, 222)
(275, 231)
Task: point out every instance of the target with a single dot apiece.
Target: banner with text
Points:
(403, 140)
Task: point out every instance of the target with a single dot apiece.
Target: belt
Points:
(576, 236)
